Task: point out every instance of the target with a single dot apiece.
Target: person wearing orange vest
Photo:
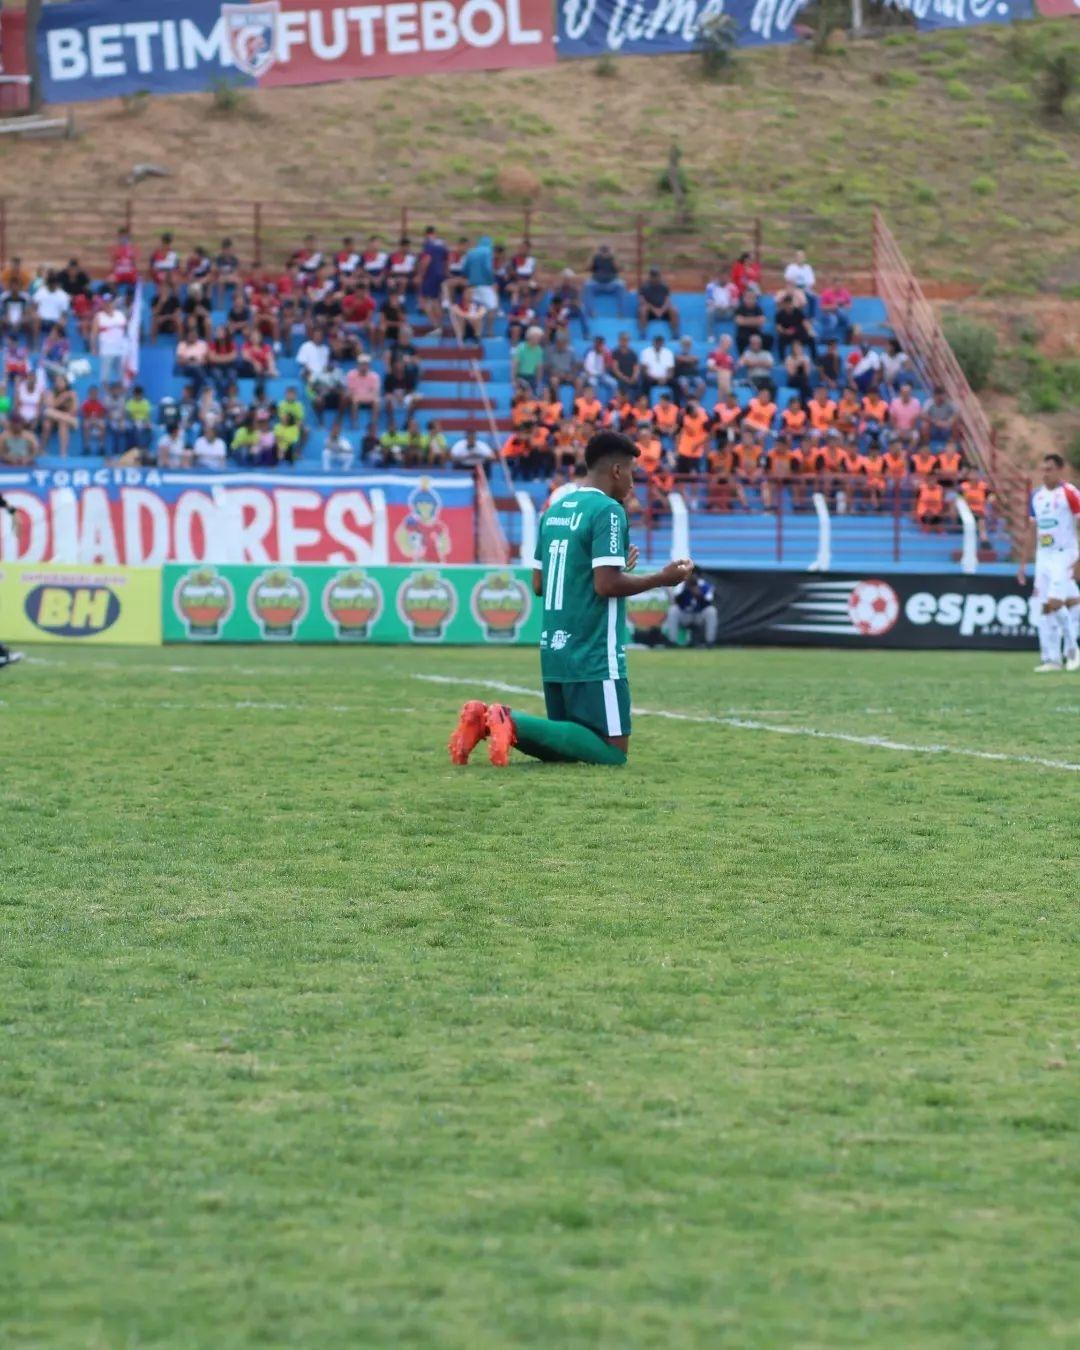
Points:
(666, 419)
(779, 468)
(976, 492)
(693, 438)
(723, 461)
(847, 412)
(875, 413)
(930, 504)
(822, 411)
(874, 470)
(950, 463)
(760, 412)
(923, 464)
(516, 448)
(588, 408)
(727, 414)
(896, 465)
(566, 448)
(650, 451)
(794, 420)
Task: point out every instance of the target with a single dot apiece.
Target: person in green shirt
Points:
(291, 405)
(286, 438)
(581, 574)
(140, 418)
(527, 360)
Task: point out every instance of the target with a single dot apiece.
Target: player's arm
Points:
(613, 583)
(537, 581)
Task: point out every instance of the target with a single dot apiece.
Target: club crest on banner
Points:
(251, 35)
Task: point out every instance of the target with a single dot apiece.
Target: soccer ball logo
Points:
(873, 608)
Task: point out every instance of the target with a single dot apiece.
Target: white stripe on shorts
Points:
(611, 709)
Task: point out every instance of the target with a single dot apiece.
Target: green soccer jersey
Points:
(582, 636)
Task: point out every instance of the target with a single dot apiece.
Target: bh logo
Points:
(72, 611)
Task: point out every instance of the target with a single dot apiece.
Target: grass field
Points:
(310, 1040)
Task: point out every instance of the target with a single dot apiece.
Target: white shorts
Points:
(487, 296)
(1054, 578)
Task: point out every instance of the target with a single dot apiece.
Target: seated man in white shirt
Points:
(799, 273)
(721, 297)
(210, 450)
(657, 365)
(172, 451)
(313, 358)
(51, 305)
(468, 452)
(337, 451)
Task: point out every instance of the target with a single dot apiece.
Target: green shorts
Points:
(601, 705)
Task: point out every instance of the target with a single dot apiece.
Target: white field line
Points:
(777, 729)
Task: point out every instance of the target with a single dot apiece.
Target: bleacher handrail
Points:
(921, 336)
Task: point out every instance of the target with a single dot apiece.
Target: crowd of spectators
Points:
(769, 401)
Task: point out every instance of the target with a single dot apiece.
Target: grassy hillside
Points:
(944, 131)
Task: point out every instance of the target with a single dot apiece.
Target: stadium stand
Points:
(747, 399)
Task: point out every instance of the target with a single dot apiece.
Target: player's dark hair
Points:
(1055, 459)
(609, 445)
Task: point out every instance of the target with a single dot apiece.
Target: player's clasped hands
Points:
(676, 572)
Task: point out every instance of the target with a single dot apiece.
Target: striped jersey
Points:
(582, 637)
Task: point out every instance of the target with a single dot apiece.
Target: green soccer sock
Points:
(565, 742)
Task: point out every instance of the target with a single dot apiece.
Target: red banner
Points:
(327, 41)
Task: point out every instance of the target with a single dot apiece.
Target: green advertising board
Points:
(317, 603)
(245, 602)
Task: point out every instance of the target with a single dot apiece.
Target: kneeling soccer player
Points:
(582, 551)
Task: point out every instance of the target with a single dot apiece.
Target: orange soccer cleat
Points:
(500, 730)
(472, 727)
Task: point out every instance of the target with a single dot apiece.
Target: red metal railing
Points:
(916, 326)
(727, 518)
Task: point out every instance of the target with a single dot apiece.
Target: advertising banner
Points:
(477, 605)
(913, 610)
(119, 605)
(653, 27)
(151, 516)
(92, 49)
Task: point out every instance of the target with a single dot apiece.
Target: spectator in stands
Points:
(432, 274)
(745, 272)
(226, 273)
(721, 363)
(209, 452)
(798, 370)
(905, 411)
(399, 391)
(521, 315)
(222, 358)
(257, 360)
(92, 423)
(164, 262)
(172, 450)
(721, 297)
(18, 444)
(313, 358)
(939, 417)
(522, 266)
(467, 315)
(238, 317)
(655, 304)
(124, 262)
(657, 363)
(565, 304)
(165, 311)
(792, 325)
(199, 270)
(895, 367)
(55, 352)
(358, 311)
(403, 265)
(479, 270)
(976, 492)
(337, 449)
(800, 274)
(29, 398)
(375, 260)
(192, 355)
(286, 439)
(625, 367)
(363, 390)
(15, 277)
(833, 315)
(597, 371)
(688, 382)
(307, 259)
(116, 423)
(109, 339)
(60, 413)
(604, 279)
(950, 464)
(865, 367)
(561, 363)
(527, 360)
(195, 310)
(831, 366)
(51, 307)
(291, 406)
(139, 417)
(756, 364)
(750, 320)
(930, 506)
(693, 609)
(470, 451)
(693, 438)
